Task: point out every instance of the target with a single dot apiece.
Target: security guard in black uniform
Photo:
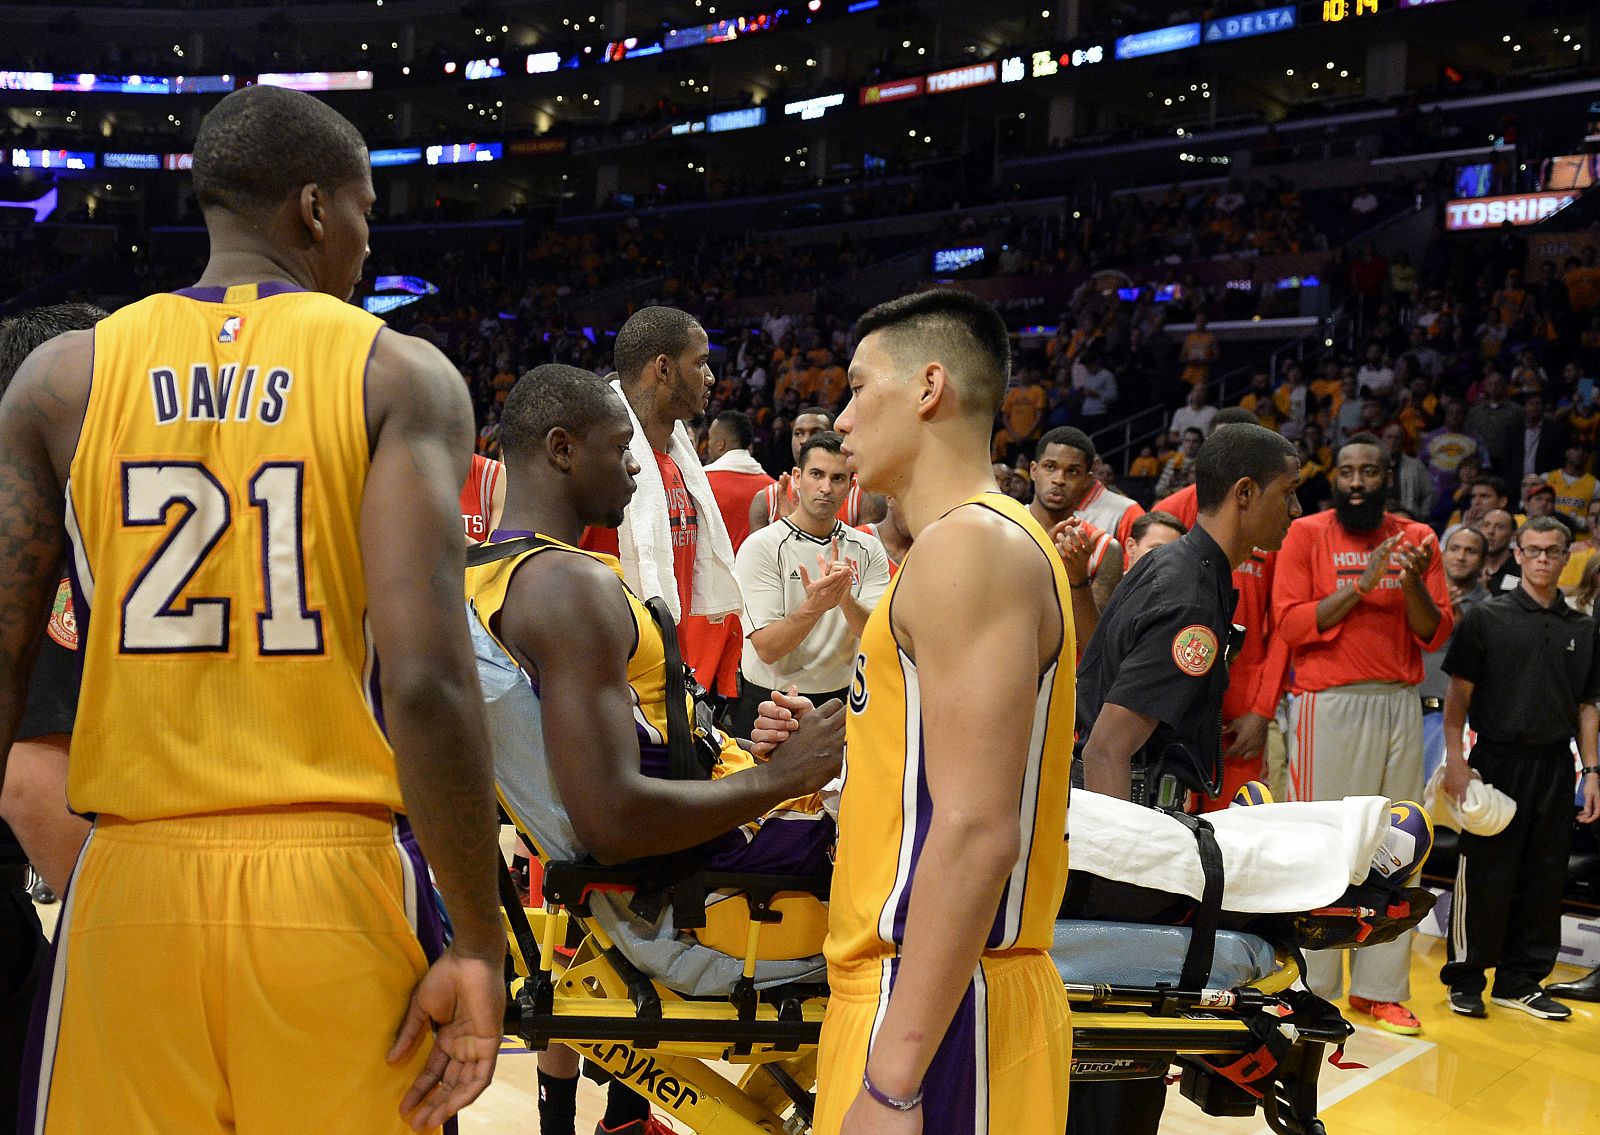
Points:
(1151, 682)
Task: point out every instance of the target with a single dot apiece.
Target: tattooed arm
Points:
(40, 417)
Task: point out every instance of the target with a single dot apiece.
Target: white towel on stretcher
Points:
(1276, 857)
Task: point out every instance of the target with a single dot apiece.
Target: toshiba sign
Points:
(1469, 213)
(962, 78)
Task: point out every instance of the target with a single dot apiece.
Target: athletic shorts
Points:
(241, 972)
(1001, 1069)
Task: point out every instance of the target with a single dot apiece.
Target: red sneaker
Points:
(651, 1126)
(1391, 1016)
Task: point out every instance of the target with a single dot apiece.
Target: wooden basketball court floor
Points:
(1505, 1075)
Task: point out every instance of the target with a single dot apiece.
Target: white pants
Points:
(1364, 739)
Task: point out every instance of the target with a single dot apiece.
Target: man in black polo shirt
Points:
(1525, 669)
(1151, 682)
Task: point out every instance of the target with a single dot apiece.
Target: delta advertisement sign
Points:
(1466, 214)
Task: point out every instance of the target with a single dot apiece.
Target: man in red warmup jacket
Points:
(1358, 594)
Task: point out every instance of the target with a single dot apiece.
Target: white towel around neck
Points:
(644, 539)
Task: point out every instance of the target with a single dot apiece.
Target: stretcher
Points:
(1239, 1043)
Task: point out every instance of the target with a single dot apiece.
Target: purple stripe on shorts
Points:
(949, 1089)
(430, 924)
(430, 927)
(30, 1108)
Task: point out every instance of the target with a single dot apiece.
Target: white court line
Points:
(1410, 1050)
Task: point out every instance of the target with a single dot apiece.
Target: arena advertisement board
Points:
(1159, 42)
(963, 78)
(892, 91)
(1472, 213)
(1249, 24)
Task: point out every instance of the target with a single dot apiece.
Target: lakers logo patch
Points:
(63, 624)
(1194, 649)
(858, 686)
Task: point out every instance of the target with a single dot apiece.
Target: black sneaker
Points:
(1467, 1003)
(1535, 1004)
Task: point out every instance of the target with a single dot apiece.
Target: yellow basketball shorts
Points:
(1000, 1070)
(233, 973)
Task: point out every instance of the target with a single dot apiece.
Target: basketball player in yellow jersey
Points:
(946, 1012)
(258, 484)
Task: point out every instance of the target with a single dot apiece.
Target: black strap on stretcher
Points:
(684, 758)
(1203, 932)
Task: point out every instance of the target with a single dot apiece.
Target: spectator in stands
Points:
(1539, 445)
(1357, 596)
(1575, 487)
(1095, 387)
(1020, 414)
(1200, 352)
(1493, 419)
(1196, 413)
(1403, 284)
(1463, 572)
(1349, 414)
(1582, 278)
(1425, 358)
(1369, 274)
(1179, 469)
(1258, 399)
(1411, 483)
(1527, 377)
(1294, 400)
(1488, 493)
(1153, 530)
(1500, 570)
(1375, 376)
(1444, 449)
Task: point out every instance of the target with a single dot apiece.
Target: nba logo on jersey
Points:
(230, 329)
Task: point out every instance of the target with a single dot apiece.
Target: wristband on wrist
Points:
(897, 1103)
(1591, 770)
(1080, 586)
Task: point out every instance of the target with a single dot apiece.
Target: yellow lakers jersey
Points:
(212, 507)
(487, 585)
(886, 810)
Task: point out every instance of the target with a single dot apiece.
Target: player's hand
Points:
(869, 1117)
(788, 499)
(814, 752)
(1413, 560)
(1458, 775)
(464, 999)
(1591, 800)
(776, 719)
(1249, 736)
(1378, 564)
(1073, 546)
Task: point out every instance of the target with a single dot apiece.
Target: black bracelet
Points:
(1590, 770)
(909, 1103)
(1080, 586)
